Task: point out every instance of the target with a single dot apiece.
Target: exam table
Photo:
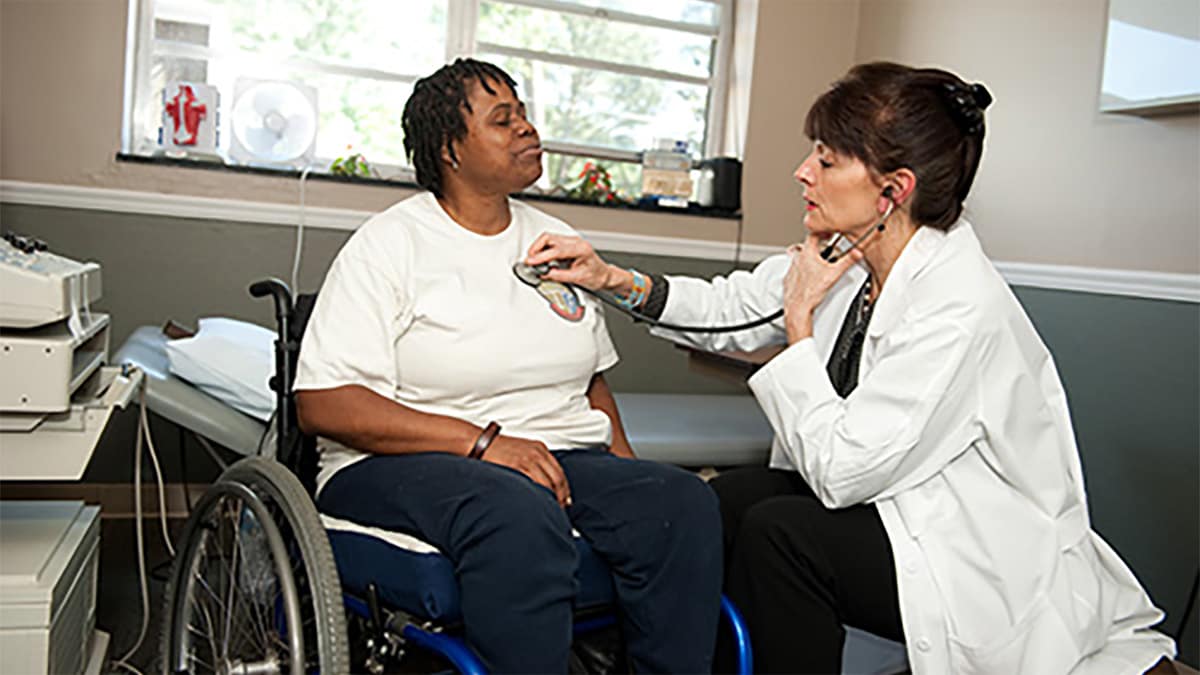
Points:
(694, 430)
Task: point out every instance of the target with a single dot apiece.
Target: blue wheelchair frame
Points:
(393, 627)
(455, 649)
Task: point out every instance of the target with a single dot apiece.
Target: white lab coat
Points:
(959, 433)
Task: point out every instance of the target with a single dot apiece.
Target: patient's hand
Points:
(532, 459)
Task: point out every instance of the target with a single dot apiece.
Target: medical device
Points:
(50, 340)
(830, 252)
(532, 275)
(56, 396)
(51, 563)
(39, 286)
(55, 392)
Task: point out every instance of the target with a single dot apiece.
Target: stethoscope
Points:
(533, 277)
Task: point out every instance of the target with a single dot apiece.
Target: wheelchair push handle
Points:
(278, 291)
(281, 381)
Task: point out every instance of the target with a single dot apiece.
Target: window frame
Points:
(461, 29)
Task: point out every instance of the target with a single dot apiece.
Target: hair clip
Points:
(967, 104)
(983, 97)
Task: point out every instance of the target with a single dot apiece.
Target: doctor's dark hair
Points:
(433, 118)
(891, 116)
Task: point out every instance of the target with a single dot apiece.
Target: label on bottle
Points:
(666, 183)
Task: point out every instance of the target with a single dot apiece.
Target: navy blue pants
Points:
(657, 527)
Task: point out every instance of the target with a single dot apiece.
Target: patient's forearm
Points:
(361, 419)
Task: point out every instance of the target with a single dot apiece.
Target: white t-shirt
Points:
(423, 311)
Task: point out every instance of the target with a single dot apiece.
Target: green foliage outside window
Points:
(570, 104)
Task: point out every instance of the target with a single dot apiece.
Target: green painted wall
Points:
(1131, 368)
(159, 268)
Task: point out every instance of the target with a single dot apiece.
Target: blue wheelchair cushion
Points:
(419, 580)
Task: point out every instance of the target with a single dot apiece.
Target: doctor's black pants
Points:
(800, 571)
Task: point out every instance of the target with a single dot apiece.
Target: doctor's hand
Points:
(582, 265)
(807, 282)
(532, 459)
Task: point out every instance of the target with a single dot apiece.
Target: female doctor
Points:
(924, 483)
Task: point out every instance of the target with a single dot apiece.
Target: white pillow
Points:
(230, 360)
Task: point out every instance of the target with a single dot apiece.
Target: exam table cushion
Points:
(696, 430)
(181, 403)
(230, 360)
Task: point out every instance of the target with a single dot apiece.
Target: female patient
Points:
(458, 404)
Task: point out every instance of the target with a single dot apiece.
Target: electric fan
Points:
(274, 123)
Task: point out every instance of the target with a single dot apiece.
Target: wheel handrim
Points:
(223, 627)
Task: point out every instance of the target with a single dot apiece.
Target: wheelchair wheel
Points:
(254, 588)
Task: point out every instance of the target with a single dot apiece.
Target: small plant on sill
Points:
(595, 186)
(353, 166)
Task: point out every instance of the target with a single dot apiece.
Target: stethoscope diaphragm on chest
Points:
(530, 274)
(563, 298)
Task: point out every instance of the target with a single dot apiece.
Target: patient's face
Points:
(501, 151)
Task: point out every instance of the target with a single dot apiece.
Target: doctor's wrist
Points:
(798, 325)
(618, 280)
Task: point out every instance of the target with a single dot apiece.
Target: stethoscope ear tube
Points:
(607, 299)
(829, 253)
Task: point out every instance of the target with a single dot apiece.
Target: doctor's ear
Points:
(897, 188)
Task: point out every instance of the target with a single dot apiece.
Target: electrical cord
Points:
(737, 249)
(123, 662)
(212, 452)
(143, 432)
(258, 448)
(1187, 610)
(187, 498)
(299, 230)
(162, 495)
(125, 666)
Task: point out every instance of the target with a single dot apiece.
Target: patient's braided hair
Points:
(433, 117)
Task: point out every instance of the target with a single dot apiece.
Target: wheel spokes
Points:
(239, 628)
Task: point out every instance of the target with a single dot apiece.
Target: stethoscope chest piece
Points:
(563, 299)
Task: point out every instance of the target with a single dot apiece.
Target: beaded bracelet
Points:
(637, 294)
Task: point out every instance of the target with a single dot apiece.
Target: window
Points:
(602, 78)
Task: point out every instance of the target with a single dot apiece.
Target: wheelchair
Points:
(260, 585)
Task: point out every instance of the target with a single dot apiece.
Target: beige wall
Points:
(1060, 183)
(801, 46)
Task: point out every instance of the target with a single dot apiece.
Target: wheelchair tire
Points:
(308, 593)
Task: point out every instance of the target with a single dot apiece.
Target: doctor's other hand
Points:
(582, 266)
(808, 280)
(532, 459)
